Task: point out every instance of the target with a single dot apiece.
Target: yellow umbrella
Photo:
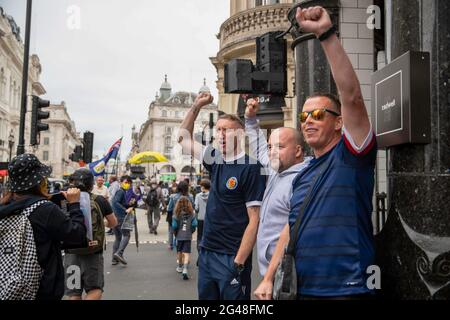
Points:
(148, 157)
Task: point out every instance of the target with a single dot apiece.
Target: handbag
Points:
(128, 222)
(285, 282)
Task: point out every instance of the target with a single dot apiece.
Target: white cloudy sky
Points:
(109, 70)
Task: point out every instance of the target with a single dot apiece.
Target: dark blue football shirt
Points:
(235, 185)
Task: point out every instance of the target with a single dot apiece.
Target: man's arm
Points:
(111, 221)
(257, 140)
(354, 113)
(249, 238)
(265, 288)
(185, 134)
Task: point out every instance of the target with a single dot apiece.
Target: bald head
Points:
(285, 148)
(289, 133)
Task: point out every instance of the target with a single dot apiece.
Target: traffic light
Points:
(88, 149)
(36, 116)
(77, 154)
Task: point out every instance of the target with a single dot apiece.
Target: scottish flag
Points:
(98, 167)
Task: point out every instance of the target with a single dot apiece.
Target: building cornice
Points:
(254, 22)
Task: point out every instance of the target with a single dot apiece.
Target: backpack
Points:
(20, 272)
(152, 198)
(98, 231)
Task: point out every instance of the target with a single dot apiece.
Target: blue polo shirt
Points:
(335, 244)
(235, 186)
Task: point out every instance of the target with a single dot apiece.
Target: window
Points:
(168, 141)
(46, 141)
(45, 156)
(164, 114)
(177, 114)
(168, 152)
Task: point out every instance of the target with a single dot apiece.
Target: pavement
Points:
(150, 273)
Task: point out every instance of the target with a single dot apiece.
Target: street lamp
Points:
(11, 144)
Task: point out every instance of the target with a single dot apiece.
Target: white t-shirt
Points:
(103, 191)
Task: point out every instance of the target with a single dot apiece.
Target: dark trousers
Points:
(218, 279)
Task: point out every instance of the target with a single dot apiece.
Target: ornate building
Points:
(11, 61)
(57, 143)
(248, 20)
(159, 132)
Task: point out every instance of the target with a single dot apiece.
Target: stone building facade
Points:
(11, 62)
(60, 140)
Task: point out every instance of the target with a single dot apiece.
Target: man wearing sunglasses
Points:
(334, 244)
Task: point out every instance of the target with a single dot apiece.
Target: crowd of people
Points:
(273, 198)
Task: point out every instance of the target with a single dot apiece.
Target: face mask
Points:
(125, 186)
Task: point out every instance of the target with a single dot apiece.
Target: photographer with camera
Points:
(37, 232)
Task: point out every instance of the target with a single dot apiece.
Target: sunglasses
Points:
(318, 114)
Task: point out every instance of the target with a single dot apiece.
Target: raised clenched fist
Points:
(203, 99)
(252, 108)
(314, 20)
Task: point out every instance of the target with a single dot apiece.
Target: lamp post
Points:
(11, 144)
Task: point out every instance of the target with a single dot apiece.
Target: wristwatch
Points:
(239, 267)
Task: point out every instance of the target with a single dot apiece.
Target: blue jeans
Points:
(122, 239)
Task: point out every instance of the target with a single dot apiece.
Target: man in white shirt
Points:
(100, 189)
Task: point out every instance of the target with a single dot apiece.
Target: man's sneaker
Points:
(156, 233)
(120, 258)
(185, 276)
(115, 262)
(179, 269)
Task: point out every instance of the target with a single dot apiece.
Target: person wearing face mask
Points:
(121, 209)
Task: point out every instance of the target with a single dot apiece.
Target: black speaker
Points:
(238, 76)
(271, 51)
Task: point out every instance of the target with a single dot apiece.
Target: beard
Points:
(276, 165)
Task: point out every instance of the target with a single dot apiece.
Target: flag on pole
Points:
(98, 167)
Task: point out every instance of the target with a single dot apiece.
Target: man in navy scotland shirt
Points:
(232, 212)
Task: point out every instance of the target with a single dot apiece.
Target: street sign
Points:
(401, 101)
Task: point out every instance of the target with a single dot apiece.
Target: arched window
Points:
(164, 113)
